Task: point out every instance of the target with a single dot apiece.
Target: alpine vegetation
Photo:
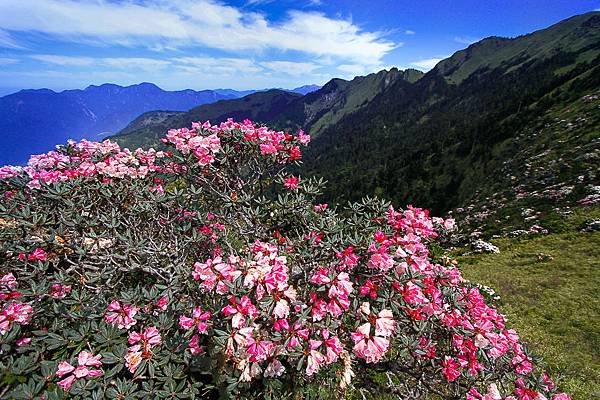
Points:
(208, 270)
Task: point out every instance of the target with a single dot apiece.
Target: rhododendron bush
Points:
(208, 270)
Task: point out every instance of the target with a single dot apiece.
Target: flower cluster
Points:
(12, 311)
(191, 141)
(222, 283)
(142, 344)
(87, 367)
(120, 314)
(88, 159)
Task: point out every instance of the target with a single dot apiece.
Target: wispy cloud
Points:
(66, 61)
(7, 41)
(291, 67)
(147, 64)
(213, 66)
(466, 39)
(426, 64)
(251, 3)
(8, 61)
(409, 32)
(193, 65)
(352, 70)
(186, 23)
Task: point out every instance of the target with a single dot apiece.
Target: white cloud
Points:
(258, 2)
(466, 40)
(185, 23)
(409, 32)
(196, 65)
(426, 64)
(210, 66)
(352, 70)
(63, 60)
(215, 66)
(290, 67)
(8, 61)
(147, 64)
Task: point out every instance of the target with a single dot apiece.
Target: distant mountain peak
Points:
(43, 118)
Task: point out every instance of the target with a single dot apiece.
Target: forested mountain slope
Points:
(314, 112)
(437, 141)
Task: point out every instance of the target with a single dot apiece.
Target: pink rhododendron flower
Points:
(369, 347)
(450, 369)
(297, 335)
(291, 183)
(121, 315)
(385, 324)
(133, 359)
(60, 291)
(369, 289)
(23, 341)
(274, 369)
(240, 310)
(38, 255)
(259, 350)
(303, 138)
(380, 259)
(319, 208)
(413, 294)
(525, 393)
(198, 320)
(8, 282)
(87, 367)
(332, 345)
(8, 171)
(142, 344)
(348, 258)
(194, 346)
(160, 305)
(268, 148)
(215, 274)
(561, 396)
(14, 313)
(315, 358)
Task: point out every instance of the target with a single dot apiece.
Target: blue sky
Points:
(245, 44)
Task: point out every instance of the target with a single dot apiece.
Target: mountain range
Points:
(437, 139)
(312, 112)
(34, 121)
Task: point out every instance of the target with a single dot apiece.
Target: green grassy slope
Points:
(573, 35)
(550, 290)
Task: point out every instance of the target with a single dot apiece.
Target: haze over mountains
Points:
(34, 121)
(437, 139)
